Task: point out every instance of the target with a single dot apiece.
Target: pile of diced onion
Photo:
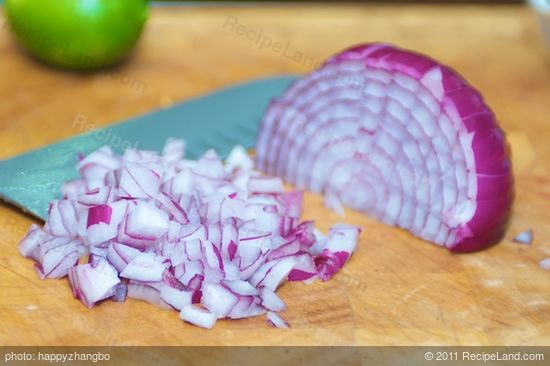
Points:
(208, 238)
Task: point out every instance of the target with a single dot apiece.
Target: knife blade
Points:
(219, 120)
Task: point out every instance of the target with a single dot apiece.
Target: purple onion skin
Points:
(491, 151)
(495, 193)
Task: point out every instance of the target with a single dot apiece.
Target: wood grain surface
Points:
(396, 290)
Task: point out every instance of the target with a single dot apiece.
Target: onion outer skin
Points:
(491, 163)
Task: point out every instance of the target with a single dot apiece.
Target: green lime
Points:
(77, 34)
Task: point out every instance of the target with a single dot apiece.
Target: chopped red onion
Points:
(137, 181)
(56, 256)
(62, 218)
(30, 245)
(93, 282)
(144, 267)
(218, 299)
(99, 196)
(173, 152)
(209, 239)
(276, 274)
(175, 297)
(248, 306)
(271, 301)
(104, 224)
(276, 321)
(99, 214)
(338, 249)
(95, 166)
(239, 160)
(97, 253)
(545, 264)
(72, 189)
(144, 292)
(197, 316)
(120, 292)
(399, 136)
(525, 237)
(119, 255)
(304, 268)
(146, 222)
(265, 185)
(173, 208)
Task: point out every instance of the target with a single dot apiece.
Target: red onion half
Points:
(399, 136)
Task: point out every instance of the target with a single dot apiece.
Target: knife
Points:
(219, 120)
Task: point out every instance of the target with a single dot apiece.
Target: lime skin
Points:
(77, 34)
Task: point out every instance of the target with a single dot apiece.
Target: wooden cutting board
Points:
(396, 290)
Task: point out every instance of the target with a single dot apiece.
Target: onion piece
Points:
(99, 196)
(218, 299)
(99, 214)
(103, 222)
(197, 316)
(276, 321)
(72, 189)
(304, 232)
(145, 267)
(95, 166)
(178, 298)
(242, 288)
(120, 292)
(525, 237)
(545, 264)
(271, 301)
(396, 135)
(176, 212)
(119, 255)
(137, 181)
(62, 218)
(239, 160)
(57, 255)
(304, 268)
(278, 273)
(144, 292)
(210, 166)
(246, 307)
(265, 185)
(173, 151)
(339, 247)
(96, 253)
(30, 245)
(146, 222)
(93, 282)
